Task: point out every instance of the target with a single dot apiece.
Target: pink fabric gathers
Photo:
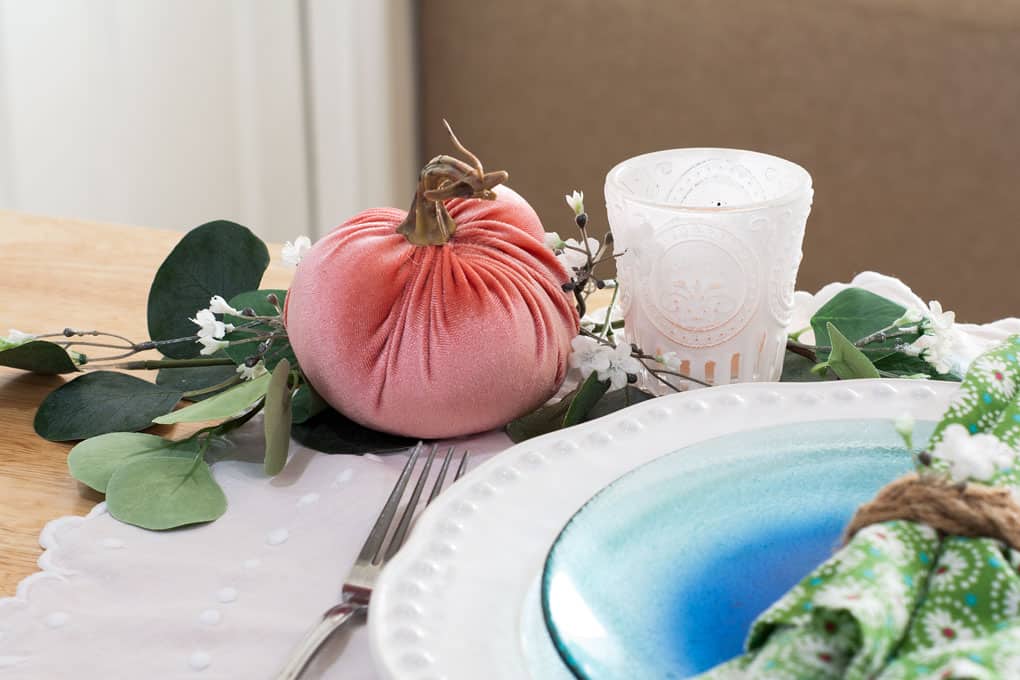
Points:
(434, 341)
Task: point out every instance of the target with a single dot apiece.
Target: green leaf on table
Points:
(94, 460)
(164, 492)
(193, 378)
(573, 408)
(906, 365)
(277, 419)
(846, 360)
(306, 403)
(858, 313)
(256, 299)
(222, 406)
(797, 368)
(333, 432)
(617, 400)
(101, 402)
(588, 394)
(38, 356)
(216, 258)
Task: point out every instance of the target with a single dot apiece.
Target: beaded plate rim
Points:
(449, 605)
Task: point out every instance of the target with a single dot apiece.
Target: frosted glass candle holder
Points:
(711, 242)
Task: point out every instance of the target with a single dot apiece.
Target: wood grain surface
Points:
(56, 273)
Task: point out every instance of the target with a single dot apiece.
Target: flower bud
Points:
(568, 287)
(582, 220)
(272, 299)
(251, 361)
(247, 311)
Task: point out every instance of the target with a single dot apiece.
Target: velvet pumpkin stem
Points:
(428, 222)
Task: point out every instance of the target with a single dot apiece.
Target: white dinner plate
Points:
(461, 601)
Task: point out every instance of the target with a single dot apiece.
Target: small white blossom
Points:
(671, 360)
(904, 424)
(940, 322)
(977, 457)
(210, 326)
(909, 318)
(218, 305)
(572, 259)
(252, 372)
(16, 337)
(553, 241)
(934, 349)
(588, 355)
(294, 252)
(576, 201)
(621, 364)
(211, 345)
(937, 340)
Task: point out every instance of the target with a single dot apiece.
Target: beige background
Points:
(905, 112)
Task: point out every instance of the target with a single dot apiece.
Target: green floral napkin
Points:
(899, 601)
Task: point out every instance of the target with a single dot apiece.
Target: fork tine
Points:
(440, 476)
(412, 503)
(375, 538)
(462, 467)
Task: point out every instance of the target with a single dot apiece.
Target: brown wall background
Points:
(906, 113)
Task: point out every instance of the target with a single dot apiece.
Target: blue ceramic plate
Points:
(662, 572)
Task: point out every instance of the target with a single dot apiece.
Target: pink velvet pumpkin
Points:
(434, 341)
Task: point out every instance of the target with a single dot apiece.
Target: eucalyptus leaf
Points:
(797, 368)
(277, 419)
(164, 492)
(101, 402)
(858, 313)
(846, 360)
(223, 406)
(591, 390)
(216, 258)
(193, 378)
(256, 299)
(904, 365)
(332, 432)
(38, 356)
(573, 408)
(306, 403)
(618, 400)
(541, 421)
(94, 460)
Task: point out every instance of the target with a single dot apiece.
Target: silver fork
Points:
(357, 589)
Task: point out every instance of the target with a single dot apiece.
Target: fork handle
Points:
(332, 621)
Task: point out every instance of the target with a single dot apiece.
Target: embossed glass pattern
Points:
(711, 242)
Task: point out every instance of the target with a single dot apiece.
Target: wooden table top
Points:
(56, 273)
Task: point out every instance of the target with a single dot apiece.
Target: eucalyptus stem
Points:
(155, 364)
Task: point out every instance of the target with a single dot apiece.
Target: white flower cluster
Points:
(610, 363)
(936, 342)
(975, 457)
(210, 329)
(294, 252)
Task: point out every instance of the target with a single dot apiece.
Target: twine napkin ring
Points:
(972, 510)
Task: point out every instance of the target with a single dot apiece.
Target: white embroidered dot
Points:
(227, 594)
(252, 564)
(57, 619)
(308, 499)
(199, 661)
(277, 536)
(344, 477)
(112, 543)
(210, 617)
